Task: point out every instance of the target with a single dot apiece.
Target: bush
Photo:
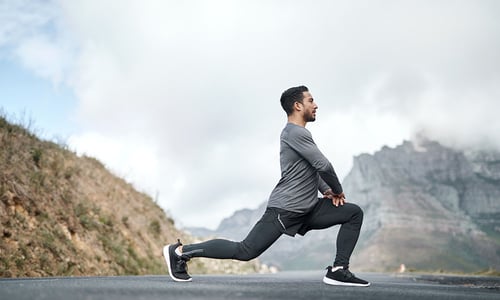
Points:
(155, 227)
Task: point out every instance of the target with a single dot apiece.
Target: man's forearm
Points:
(332, 180)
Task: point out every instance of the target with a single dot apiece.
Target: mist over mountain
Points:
(427, 206)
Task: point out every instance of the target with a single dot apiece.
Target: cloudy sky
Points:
(181, 98)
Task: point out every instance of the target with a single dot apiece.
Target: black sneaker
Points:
(177, 265)
(343, 277)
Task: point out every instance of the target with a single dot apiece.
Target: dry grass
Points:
(63, 215)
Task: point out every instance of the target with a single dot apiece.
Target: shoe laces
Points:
(182, 262)
(347, 273)
(182, 265)
(185, 257)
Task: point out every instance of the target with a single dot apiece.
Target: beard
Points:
(310, 117)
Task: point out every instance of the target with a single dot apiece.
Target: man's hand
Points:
(336, 199)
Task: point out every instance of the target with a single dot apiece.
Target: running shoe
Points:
(343, 277)
(176, 264)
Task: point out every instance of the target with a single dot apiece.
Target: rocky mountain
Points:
(429, 207)
(426, 206)
(63, 215)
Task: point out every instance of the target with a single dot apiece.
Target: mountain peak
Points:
(430, 194)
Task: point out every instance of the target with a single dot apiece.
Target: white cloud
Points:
(21, 18)
(45, 58)
(35, 33)
(187, 92)
(132, 158)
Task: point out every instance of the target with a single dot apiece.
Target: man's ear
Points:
(297, 106)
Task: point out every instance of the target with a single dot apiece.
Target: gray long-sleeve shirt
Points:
(304, 171)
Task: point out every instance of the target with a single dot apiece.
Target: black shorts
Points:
(291, 223)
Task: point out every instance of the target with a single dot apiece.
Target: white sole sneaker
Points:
(341, 283)
(166, 255)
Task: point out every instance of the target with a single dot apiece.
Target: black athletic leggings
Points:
(269, 228)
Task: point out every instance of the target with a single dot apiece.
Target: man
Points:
(293, 206)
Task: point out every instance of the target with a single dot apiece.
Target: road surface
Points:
(285, 285)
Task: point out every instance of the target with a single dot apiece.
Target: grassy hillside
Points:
(62, 215)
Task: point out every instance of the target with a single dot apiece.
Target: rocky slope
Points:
(426, 206)
(62, 215)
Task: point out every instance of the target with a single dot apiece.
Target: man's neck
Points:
(297, 120)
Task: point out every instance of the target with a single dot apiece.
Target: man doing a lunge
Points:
(293, 206)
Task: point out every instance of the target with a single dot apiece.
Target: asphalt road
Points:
(286, 285)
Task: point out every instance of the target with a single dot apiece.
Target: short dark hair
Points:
(292, 95)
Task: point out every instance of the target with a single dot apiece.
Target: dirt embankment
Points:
(64, 215)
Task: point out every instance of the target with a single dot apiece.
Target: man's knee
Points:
(358, 211)
(357, 214)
